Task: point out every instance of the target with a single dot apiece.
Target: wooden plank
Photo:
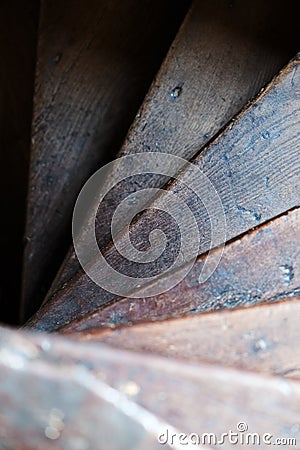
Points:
(242, 278)
(265, 132)
(217, 63)
(264, 339)
(53, 391)
(18, 29)
(61, 411)
(95, 63)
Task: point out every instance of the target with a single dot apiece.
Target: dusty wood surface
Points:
(18, 28)
(96, 60)
(265, 338)
(221, 57)
(254, 166)
(262, 266)
(93, 395)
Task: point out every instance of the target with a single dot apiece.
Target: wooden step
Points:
(264, 339)
(95, 63)
(55, 390)
(244, 277)
(254, 167)
(215, 65)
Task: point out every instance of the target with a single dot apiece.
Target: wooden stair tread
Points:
(264, 338)
(242, 278)
(95, 62)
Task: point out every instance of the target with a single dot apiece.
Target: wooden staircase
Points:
(198, 348)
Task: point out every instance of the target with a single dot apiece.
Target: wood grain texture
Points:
(221, 57)
(262, 266)
(264, 338)
(18, 30)
(96, 60)
(48, 381)
(254, 167)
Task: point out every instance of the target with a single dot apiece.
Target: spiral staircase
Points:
(185, 333)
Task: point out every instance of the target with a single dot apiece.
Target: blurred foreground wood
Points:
(59, 394)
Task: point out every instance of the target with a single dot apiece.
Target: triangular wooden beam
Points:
(95, 62)
(254, 165)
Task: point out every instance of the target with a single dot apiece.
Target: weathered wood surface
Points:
(95, 62)
(262, 266)
(99, 397)
(18, 29)
(47, 403)
(221, 58)
(264, 338)
(254, 166)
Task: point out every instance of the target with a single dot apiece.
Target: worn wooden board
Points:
(264, 338)
(254, 166)
(221, 57)
(95, 62)
(262, 266)
(53, 391)
(68, 407)
(18, 28)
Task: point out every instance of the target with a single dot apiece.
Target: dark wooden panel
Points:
(54, 387)
(254, 166)
(18, 29)
(243, 277)
(96, 60)
(265, 338)
(224, 53)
